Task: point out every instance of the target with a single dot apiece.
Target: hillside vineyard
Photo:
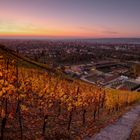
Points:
(35, 104)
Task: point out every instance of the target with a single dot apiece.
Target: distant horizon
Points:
(88, 40)
(69, 38)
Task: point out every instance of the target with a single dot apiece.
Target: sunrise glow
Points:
(76, 18)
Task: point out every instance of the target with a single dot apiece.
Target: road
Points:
(121, 129)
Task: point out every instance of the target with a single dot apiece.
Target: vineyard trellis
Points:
(35, 104)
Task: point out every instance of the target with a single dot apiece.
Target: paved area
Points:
(121, 129)
(135, 135)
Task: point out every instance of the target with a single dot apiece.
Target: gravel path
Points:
(121, 129)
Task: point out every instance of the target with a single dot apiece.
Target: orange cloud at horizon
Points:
(58, 34)
(20, 25)
(61, 18)
(42, 29)
(43, 32)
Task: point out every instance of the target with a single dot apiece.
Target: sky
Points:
(70, 18)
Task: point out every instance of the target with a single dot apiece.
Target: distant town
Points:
(109, 65)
